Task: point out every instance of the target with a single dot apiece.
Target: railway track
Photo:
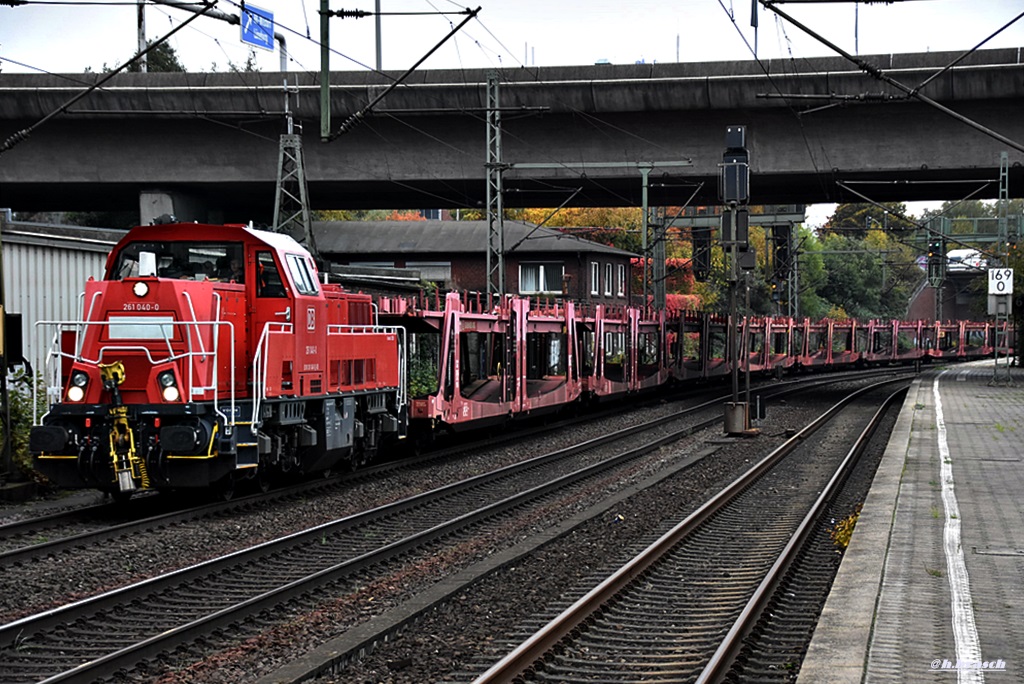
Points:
(72, 643)
(223, 591)
(680, 611)
(35, 538)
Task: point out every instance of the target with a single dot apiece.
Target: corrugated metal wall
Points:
(45, 281)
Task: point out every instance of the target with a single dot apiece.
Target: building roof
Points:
(65, 236)
(446, 237)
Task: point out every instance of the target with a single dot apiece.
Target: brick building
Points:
(453, 254)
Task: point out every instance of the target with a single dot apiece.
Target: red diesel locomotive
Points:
(213, 354)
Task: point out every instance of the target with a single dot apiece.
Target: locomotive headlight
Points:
(169, 390)
(76, 392)
(140, 289)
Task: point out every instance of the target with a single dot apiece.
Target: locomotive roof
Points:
(423, 237)
(203, 231)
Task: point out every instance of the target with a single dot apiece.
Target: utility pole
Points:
(325, 71)
(379, 53)
(494, 191)
(291, 202)
(143, 61)
(652, 240)
(5, 403)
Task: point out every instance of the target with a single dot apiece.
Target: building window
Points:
(621, 282)
(608, 280)
(595, 278)
(540, 278)
(434, 271)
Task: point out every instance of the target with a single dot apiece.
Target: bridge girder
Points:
(215, 140)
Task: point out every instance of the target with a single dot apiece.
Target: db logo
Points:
(310, 318)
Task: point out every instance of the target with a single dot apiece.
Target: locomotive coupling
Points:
(128, 467)
(113, 375)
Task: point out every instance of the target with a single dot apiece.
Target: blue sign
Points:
(257, 27)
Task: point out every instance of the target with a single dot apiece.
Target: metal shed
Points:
(45, 267)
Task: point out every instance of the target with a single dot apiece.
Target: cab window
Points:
(305, 281)
(268, 278)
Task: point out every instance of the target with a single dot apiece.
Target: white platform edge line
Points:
(965, 631)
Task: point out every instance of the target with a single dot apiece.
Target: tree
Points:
(964, 209)
(811, 274)
(406, 215)
(250, 65)
(350, 215)
(854, 277)
(161, 59)
(616, 226)
(856, 220)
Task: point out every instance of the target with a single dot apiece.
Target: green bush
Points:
(19, 397)
(423, 364)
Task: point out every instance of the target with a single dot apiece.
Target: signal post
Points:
(733, 190)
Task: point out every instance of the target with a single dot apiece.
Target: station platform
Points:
(931, 588)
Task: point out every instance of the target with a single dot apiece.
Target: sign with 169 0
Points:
(1000, 281)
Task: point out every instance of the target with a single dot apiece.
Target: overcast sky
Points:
(68, 38)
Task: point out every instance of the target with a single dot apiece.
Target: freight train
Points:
(212, 355)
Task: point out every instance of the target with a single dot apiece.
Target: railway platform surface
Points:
(931, 588)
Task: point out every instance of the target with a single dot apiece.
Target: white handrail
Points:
(401, 395)
(49, 366)
(260, 361)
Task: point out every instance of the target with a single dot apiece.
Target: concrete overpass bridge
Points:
(210, 141)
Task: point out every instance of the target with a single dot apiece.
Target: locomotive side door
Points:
(273, 320)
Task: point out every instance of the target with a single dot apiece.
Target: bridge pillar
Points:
(183, 207)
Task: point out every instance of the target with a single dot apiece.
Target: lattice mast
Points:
(291, 203)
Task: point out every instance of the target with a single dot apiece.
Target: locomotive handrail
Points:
(260, 361)
(216, 350)
(86, 318)
(401, 396)
(341, 329)
(192, 310)
(50, 368)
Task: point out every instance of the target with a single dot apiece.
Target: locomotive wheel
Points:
(119, 497)
(226, 489)
(263, 480)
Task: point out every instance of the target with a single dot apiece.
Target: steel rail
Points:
(55, 546)
(104, 665)
(725, 655)
(18, 528)
(544, 640)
